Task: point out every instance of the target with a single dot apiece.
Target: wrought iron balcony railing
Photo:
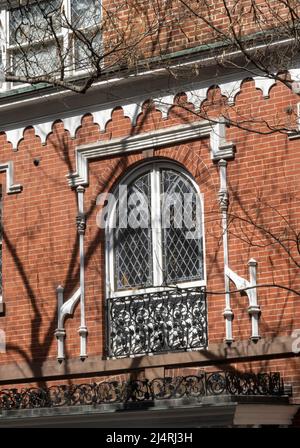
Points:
(203, 385)
(172, 320)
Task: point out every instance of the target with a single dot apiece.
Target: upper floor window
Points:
(51, 38)
(155, 231)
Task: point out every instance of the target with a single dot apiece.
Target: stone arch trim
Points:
(220, 148)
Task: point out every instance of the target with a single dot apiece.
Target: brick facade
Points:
(40, 241)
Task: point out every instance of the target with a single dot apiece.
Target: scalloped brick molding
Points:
(195, 95)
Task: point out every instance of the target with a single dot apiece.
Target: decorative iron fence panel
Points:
(173, 320)
(193, 386)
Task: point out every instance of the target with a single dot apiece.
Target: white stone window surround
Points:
(296, 135)
(7, 49)
(8, 168)
(157, 249)
(220, 148)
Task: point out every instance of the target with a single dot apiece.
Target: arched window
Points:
(155, 231)
(156, 298)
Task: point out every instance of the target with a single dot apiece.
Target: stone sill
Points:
(239, 351)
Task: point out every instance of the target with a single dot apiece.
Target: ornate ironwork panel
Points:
(157, 322)
(205, 384)
(182, 235)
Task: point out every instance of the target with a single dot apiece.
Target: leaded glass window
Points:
(182, 242)
(53, 37)
(85, 13)
(85, 17)
(133, 243)
(157, 240)
(32, 45)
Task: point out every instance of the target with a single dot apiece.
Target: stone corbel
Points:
(64, 309)
(220, 147)
(250, 289)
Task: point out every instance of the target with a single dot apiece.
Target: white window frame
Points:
(71, 39)
(157, 253)
(65, 35)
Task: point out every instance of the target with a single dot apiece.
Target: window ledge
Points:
(294, 135)
(26, 89)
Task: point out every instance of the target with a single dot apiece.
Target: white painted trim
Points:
(64, 309)
(137, 291)
(157, 246)
(264, 84)
(220, 149)
(241, 284)
(11, 188)
(68, 307)
(230, 86)
(223, 200)
(83, 328)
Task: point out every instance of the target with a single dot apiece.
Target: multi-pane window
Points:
(85, 18)
(53, 37)
(155, 231)
(32, 49)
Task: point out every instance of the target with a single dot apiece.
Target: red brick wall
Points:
(41, 244)
(152, 28)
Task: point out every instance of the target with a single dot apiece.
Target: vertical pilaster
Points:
(254, 309)
(60, 332)
(81, 225)
(223, 202)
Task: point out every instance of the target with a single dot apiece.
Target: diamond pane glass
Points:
(132, 237)
(85, 13)
(83, 54)
(181, 229)
(39, 60)
(34, 22)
